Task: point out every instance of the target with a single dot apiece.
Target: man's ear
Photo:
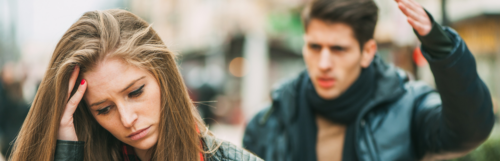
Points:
(368, 53)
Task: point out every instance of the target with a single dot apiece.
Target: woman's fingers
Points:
(72, 80)
(73, 103)
(67, 127)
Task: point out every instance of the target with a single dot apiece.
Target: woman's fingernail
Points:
(83, 82)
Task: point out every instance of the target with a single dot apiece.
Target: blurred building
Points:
(232, 52)
(240, 49)
(9, 50)
(229, 45)
(478, 22)
(29, 32)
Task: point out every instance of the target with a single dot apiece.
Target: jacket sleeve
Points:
(253, 134)
(460, 117)
(228, 151)
(69, 150)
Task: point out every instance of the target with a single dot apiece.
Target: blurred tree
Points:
(488, 151)
(287, 27)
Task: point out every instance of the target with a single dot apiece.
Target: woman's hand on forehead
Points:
(67, 127)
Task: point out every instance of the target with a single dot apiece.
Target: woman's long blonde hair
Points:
(96, 35)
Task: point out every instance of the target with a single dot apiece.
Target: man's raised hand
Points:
(417, 17)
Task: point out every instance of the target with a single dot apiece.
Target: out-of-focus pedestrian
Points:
(349, 105)
(13, 109)
(113, 91)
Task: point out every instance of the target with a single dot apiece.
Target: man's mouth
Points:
(324, 82)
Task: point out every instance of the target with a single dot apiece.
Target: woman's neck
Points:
(144, 155)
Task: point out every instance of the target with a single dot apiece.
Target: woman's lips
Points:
(139, 134)
(326, 82)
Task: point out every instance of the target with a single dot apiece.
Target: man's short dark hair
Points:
(361, 15)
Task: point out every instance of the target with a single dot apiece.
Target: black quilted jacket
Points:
(73, 151)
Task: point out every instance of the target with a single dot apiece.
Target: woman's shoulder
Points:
(220, 150)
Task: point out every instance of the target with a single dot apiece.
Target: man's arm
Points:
(460, 118)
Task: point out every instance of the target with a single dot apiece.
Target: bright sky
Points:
(47, 20)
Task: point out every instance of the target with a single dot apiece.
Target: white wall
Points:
(462, 9)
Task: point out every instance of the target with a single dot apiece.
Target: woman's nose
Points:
(127, 115)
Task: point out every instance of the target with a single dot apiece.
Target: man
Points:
(350, 105)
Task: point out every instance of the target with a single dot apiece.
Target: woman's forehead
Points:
(111, 76)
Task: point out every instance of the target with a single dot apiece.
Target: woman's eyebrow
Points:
(132, 83)
(128, 86)
(97, 103)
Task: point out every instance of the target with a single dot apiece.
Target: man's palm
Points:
(416, 15)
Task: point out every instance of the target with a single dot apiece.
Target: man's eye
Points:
(315, 46)
(337, 48)
(136, 92)
(104, 110)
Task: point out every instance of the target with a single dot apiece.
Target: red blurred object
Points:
(418, 58)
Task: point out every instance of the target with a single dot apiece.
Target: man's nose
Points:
(324, 60)
(127, 115)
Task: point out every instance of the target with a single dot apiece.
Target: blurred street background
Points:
(230, 52)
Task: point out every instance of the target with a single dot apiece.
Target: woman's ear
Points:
(368, 53)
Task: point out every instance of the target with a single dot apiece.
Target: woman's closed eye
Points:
(136, 92)
(104, 110)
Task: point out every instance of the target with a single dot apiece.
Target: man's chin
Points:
(328, 94)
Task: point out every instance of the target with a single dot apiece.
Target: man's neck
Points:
(330, 141)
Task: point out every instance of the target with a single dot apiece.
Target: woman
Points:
(127, 100)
